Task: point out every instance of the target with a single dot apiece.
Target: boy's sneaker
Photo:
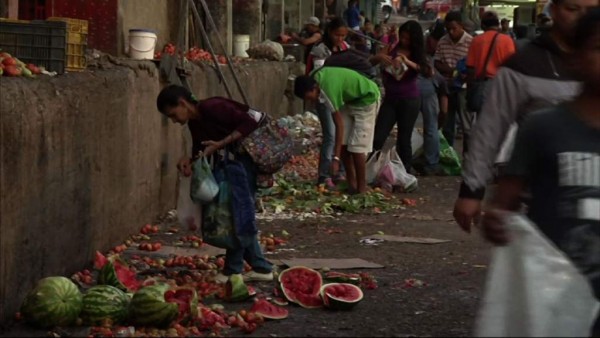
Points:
(329, 183)
(253, 276)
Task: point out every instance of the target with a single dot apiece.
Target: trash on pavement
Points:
(403, 239)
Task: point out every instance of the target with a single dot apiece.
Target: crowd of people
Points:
(489, 87)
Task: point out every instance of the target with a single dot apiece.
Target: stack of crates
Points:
(39, 42)
(77, 32)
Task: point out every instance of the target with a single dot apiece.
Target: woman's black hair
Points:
(303, 85)
(334, 24)
(417, 42)
(170, 95)
(587, 28)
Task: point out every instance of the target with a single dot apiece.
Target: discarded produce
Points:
(54, 301)
(341, 296)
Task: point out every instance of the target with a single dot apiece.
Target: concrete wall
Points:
(86, 160)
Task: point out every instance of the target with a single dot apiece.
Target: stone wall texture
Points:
(86, 160)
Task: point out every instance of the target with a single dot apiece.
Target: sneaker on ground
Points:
(329, 183)
(258, 277)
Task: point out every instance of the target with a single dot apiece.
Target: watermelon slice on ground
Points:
(301, 285)
(269, 311)
(341, 296)
(115, 272)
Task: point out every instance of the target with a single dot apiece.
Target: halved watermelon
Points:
(269, 311)
(341, 296)
(115, 272)
(159, 305)
(301, 285)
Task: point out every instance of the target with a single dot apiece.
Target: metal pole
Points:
(367, 37)
(229, 63)
(209, 45)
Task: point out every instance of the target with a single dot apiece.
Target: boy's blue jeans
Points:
(249, 249)
(328, 129)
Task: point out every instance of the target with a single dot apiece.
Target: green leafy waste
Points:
(298, 196)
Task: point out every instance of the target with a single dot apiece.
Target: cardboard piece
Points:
(332, 263)
(401, 239)
(168, 250)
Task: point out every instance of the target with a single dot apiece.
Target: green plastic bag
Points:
(218, 223)
(449, 160)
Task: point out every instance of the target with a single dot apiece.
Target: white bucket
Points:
(141, 44)
(241, 43)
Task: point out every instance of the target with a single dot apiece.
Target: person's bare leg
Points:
(360, 171)
(349, 165)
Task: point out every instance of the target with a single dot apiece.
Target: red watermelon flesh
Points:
(121, 271)
(100, 261)
(302, 285)
(264, 308)
(184, 298)
(126, 276)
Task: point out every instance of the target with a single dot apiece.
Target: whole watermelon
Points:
(55, 301)
(104, 302)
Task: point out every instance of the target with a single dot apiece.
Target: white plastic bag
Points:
(204, 186)
(188, 213)
(533, 289)
(374, 165)
(393, 173)
(417, 142)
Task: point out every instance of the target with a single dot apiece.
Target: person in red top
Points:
(214, 124)
(480, 47)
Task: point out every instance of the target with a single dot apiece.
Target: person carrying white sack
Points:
(557, 158)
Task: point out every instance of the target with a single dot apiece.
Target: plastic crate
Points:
(77, 33)
(39, 42)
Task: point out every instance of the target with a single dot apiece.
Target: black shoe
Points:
(438, 171)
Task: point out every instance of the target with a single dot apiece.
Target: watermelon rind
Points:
(237, 290)
(315, 299)
(149, 308)
(337, 277)
(108, 274)
(54, 301)
(338, 303)
(103, 302)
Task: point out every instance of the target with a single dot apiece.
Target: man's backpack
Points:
(352, 59)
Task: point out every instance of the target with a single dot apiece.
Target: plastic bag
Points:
(267, 49)
(188, 213)
(533, 289)
(374, 164)
(218, 227)
(393, 173)
(449, 160)
(204, 186)
(396, 70)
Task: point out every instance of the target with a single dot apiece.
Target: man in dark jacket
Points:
(535, 77)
